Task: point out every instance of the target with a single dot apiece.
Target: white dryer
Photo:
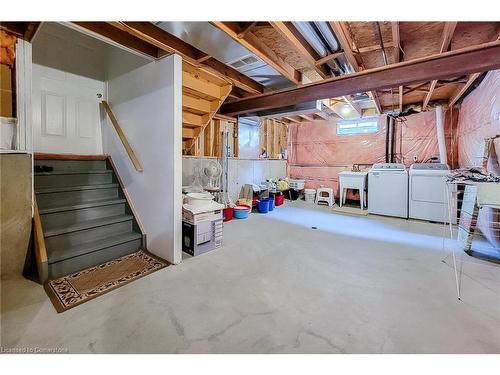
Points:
(428, 194)
(388, 190)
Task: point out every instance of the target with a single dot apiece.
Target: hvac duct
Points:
(327, 34)
(440, 135)
(309, 34)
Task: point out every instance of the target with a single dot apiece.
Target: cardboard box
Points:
(203, 216)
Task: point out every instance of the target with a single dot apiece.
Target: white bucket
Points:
(309, 195)
(297, 184)
(7, 132)
(198, 200)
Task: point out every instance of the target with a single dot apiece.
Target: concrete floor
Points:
(354, 285)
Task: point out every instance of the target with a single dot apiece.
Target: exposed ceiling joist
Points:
(346, 44)
(396, 38)
(297, 41)
(450, 64)
(327, 58)
(448, 31)
(116, 35)
(258, 48)
(353, 105)
(462, 90)
(171, 44)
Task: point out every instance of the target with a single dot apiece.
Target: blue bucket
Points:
(263, 206)
(271, 203)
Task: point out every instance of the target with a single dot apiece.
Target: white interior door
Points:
(66, 115)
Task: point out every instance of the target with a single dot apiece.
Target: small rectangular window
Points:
(360, 126)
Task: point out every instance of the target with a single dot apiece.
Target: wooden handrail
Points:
(42, 262)
(123, 138)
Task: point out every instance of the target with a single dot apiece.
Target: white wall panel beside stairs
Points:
(147, 104)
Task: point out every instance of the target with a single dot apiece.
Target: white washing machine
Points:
(388, 190)
(428, 199)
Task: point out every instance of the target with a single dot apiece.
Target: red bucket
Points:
(279, 199)
(227, 213)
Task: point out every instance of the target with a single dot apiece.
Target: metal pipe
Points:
(440, 135)
(387, 121)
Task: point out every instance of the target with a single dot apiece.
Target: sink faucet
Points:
(355, 168)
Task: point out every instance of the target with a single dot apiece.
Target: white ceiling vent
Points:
(245, 62)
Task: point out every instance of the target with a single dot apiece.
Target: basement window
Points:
(359, 126)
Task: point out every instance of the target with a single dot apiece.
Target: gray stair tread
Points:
(76, 171)
(90, 247)
(61, 189)
(87, 224)
(89, 204)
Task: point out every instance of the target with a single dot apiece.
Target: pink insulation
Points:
(480, 118)
(317, 154)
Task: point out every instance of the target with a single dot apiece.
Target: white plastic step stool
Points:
(325, 195)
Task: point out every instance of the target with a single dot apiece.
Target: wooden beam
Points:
(172, 44)
(429, 95)
(327, 58)
(346, 44)
(297, 41)
(449, 29)
(353, 105)
(396, 39)
(123, 138)
(119, 36)
(198, 104)
(188, 133)
(194, 120)
(397, 56)
(293, 119)
(257, 47)
(450, 64)
(462, 90)
(375, 47)
(204, 87)
(246, 29)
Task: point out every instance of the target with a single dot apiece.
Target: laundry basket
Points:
(309, 195)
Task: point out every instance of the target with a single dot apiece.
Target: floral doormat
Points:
(79, 287)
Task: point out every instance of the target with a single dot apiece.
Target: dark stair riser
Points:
(57, 219)
(71, 165)
(79, 263)
(64, 242)
(74, 197)
(49, 180)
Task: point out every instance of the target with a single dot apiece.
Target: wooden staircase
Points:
(82, 215)
(203, 93)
